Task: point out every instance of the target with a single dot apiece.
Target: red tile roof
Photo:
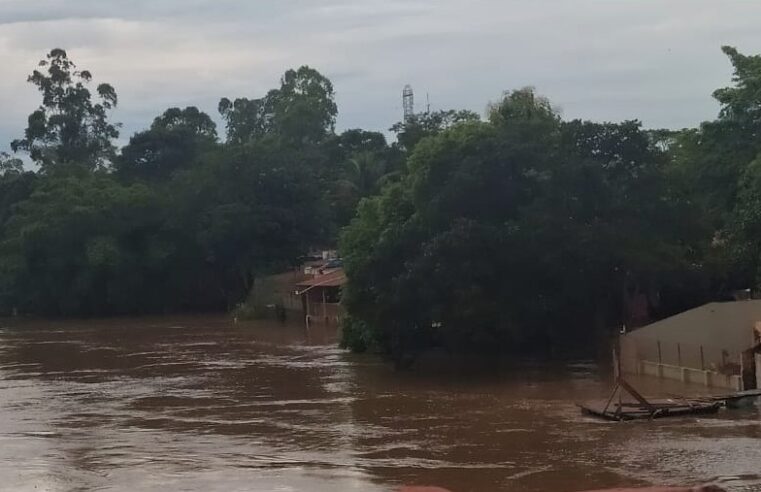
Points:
(333, 278)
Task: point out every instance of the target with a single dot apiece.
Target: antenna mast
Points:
(408, 102)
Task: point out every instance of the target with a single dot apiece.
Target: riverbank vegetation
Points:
(517, 230)
(526, 231)
(178, 218)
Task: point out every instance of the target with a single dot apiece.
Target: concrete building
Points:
(716, 344)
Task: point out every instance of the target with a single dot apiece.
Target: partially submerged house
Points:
(321, 296)
(716, 345)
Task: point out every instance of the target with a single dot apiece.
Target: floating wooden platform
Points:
(642, 408)
(740, 399)
(658, 409)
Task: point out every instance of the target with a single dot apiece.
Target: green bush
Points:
(357, 336)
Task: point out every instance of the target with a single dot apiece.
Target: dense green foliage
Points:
(176, 219)
(517, 231)
(68, 129)
(527, 231)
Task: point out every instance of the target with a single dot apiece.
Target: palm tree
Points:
(365, 173)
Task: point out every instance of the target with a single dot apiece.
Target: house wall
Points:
(725, 325)
(281, 289)
(703, 345)
(334, 312)
(316, 312)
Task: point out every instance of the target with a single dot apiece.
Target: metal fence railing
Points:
(693, 356)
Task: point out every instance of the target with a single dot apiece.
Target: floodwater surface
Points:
(201, 404)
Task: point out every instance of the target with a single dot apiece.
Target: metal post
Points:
(660, 359)
(612, 394)
(679, 354)
(702, 359)
(324, 307)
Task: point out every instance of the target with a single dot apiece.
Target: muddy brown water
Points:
(201, 404)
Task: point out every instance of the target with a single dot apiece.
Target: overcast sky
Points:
(654, 60)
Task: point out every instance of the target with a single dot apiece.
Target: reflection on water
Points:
(201, 404)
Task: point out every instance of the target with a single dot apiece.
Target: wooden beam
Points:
(641, 399)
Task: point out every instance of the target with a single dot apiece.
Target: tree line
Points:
(516, 230)
(525, 230)
(178, 219)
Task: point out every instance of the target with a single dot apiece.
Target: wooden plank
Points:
(629, 389)
(612, 394)
(658, 408)
(738, 394)
(678, 411)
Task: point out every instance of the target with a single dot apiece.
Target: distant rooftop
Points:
(331, 278)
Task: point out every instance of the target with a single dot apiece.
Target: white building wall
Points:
(725, 325)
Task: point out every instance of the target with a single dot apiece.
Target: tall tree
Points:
(365, 163)
(302, 110)
(247, 211)
(517, 233)
(82, 244)
(304, 106)
(419, 126)
(356, 140)
(69, 128)
(742, 102)
(15, 186)
(175, 140)
(717, 165)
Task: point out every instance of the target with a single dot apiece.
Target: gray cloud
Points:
(598, 59)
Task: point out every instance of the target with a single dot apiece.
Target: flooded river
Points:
(201, 404)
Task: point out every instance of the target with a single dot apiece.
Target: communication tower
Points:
(408, 101)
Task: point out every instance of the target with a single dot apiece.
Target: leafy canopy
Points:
(69, 129)
(503, 230)
(174, 142)
(302, 110)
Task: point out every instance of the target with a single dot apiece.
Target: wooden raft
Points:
(642, 408)
(739, 399)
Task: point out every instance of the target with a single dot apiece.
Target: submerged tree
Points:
(519, 233)
(82, 245)
(514, 232)
(247, 211)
